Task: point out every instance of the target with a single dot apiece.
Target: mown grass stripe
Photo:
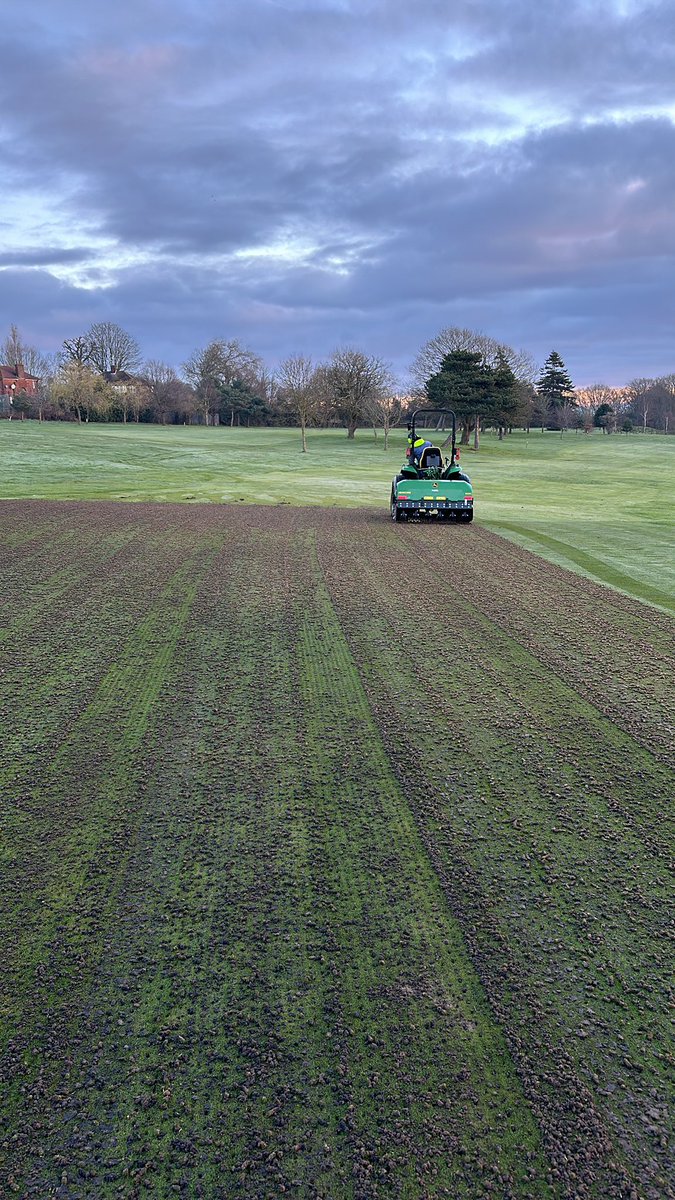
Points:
(390, 894)
(589, 564)
(89, 777)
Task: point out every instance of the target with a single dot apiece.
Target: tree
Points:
(590, 398)
(16, 353)
(130, 396)
(41, 402)
(554, 384)
(466, 384)
(508, 395)
(78, 349)
(218, 366)
(80, 390)
(493, 354)
(641, 394)
(524, 406)
(11, 351)
(389, 411)
(241, 400)
(184, 402)
(168, 397)
(21, 404)
(353, 383)
(299, 393)
(428, 361)
(663, 406)
(603, 417)
(111, 349)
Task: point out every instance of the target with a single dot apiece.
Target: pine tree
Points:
(554, 384)
(474, 390)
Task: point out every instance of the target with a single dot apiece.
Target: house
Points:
(15, 380)
(121, 381)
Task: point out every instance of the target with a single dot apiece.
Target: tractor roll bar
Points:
(444, 412)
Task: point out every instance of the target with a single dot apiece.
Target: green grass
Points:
(601, 506)
(183, 464)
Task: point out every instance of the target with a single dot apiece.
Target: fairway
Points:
(601, 506)
(327, 871)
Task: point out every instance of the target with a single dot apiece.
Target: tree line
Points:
(100, 375)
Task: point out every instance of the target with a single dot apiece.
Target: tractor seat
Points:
(431, 457)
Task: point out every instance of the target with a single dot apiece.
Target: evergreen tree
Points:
(602, 417)
(506, 395)
(554, 384)
(473, 390)
(239, 403)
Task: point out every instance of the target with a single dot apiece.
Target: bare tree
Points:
(167, 395)
(16, 353)
(12, 349)
(664, 407)
(590, 398)
(130, 396)
(354, 383)
(641, 392)
(184, 402)
(42, 401)
(267, 385)
(428, 361)
(112, 348)
(389, 409)
(299, 391)
(220, 365)
(78, 349)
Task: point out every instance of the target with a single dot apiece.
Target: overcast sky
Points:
(304, 174)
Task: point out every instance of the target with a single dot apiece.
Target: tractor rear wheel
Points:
(397, 514)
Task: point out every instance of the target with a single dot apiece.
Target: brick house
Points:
(14, 381)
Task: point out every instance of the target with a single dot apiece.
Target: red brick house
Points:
(14, 381)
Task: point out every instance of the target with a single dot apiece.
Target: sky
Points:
(308, 174)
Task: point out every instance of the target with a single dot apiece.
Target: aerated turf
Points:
(334, 862)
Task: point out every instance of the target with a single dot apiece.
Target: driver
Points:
(414, 451)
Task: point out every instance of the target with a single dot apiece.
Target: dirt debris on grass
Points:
(335, 862)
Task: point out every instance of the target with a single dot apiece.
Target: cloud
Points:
(42, 256)
(309, 172)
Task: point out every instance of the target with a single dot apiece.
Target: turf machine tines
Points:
(429, 486)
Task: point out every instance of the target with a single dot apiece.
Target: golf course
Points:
(335, 854)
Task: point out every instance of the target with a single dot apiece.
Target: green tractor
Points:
(429, 485)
